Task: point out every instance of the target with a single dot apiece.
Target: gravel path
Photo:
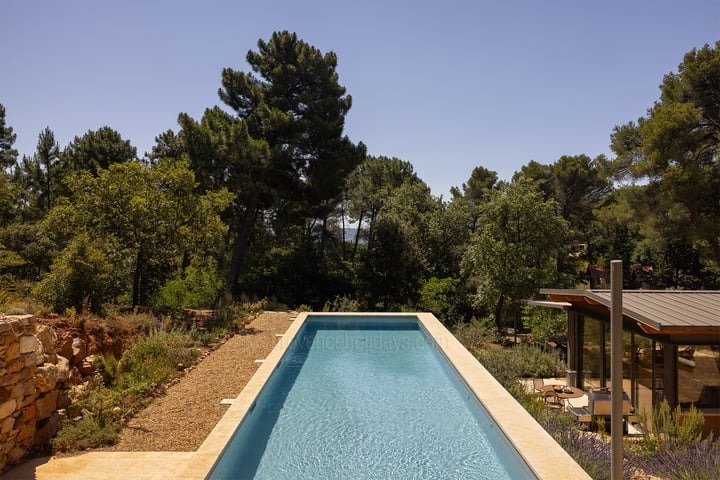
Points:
(180, 420)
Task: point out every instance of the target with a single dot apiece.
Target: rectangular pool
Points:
(366, 397)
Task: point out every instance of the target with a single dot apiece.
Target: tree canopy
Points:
(147, 217)
(266, 196)
(515, 252)
(675, 149)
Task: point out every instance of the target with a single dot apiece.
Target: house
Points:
(671, 345)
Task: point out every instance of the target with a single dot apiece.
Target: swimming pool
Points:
(368, 396)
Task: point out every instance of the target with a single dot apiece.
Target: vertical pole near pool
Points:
(616, 373)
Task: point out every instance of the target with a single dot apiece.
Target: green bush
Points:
(206, 338)
(543, 322)
(151, 360)
(477, 333)
(667, 426)
(342, 303)
(537, 363)
(5, 298)
(438, 296)
(98, 423)
(198, 285)
(77, 278)
(506, 366)
(88, 432)
(228, 317)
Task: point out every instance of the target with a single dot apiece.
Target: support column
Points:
(616, 372)
(670, 374)
(572, 350)
(603, 356)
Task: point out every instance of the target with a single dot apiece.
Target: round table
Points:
(574, 393)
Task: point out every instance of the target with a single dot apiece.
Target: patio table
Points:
(563, 392)
(574, 392)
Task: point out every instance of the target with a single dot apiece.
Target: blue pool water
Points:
(362, 398)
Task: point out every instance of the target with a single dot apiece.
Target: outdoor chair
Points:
(552, 400)
(538, 383)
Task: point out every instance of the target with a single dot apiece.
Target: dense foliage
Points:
(268, 198)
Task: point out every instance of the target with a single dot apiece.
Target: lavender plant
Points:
(590, 451)
(672, 446)
(691, 461)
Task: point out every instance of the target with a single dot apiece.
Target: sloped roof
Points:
(655, 311)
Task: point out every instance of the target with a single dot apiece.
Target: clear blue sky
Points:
(446, 85)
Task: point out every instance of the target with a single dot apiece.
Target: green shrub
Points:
(438, 296)
(537, 363)
(477, 333)
(543, 322)
(77, 278)
(506, 367)
(198, 285)
(342, 303)
(108, 367)
(667, 426)
(228, 317)
(88, 432)
(5, 298)
(98, 423)
(151, 360)
(206, 338)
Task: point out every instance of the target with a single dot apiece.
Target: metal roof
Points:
(656, 311)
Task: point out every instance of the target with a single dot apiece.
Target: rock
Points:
(86, 367)
(65, 347)
(15, 454)
(7, 408)
(29, 343)
(50, 358)
(7, 425)
(46, 377)
(12, 352)
(46, 404)
(49, 427)
(79, 351)
(63, 366)
(64, 400)
(74, 378)
(47, 337)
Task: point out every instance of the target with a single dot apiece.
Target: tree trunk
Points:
(323, 245)
(137, 279)
(357, 237)
(498, 312)
(342, 210)
(240, 248)
(715, 246)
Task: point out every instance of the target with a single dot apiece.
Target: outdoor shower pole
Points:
(616, 373)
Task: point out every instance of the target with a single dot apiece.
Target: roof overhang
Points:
(677, 316)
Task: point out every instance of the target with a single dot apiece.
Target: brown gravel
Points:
(180, 420)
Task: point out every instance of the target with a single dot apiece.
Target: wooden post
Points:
(616, 373)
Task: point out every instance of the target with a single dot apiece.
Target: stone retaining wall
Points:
(33, 387)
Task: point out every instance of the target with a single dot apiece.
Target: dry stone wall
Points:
(34, 382)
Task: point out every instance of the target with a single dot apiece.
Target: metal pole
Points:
(616, 373)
